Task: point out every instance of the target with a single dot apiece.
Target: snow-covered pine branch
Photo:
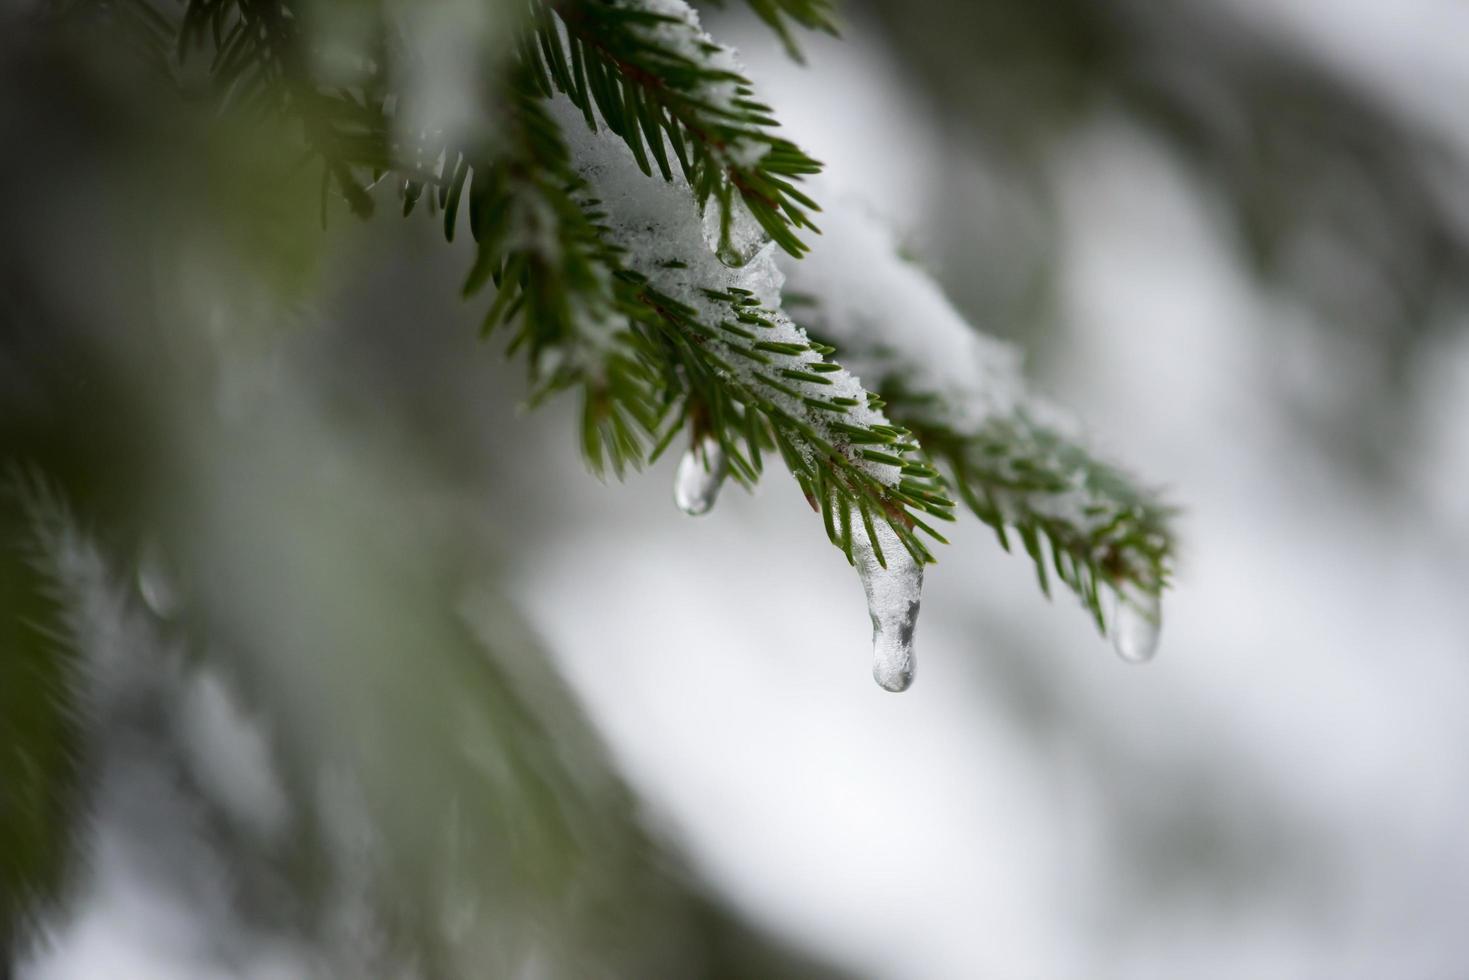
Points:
(651, 72)
(1016, 461)
(747, 376)
(623, 186)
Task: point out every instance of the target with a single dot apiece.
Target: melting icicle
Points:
(892, 601)
(700, 475)
(158, 582)
(1136, 620)
(743, 239)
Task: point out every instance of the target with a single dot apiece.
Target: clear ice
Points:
(700, 475)
(158, 582)
(892, 602)
(745, 239)
(1136, 621)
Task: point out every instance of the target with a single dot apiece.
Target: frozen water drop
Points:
(158, 582)
(700, 475)
(892, 602)
(1135, 625)
(739, 243)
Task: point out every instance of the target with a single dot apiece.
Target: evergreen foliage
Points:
(653, 345)
(585, 318)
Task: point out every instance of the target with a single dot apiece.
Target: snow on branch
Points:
(748, 378)
(1016, 461)
(650, 71)
(660, 299)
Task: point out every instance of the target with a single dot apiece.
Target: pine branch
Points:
(590, 314)
(755, 380)
(657, 341)
(1083, 518)
(652, 75)
(638, 339)
(1011, 459)
(742, 372)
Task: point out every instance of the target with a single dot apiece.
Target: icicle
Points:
(737, 245)
(700, 475)
(1136, 620)
(158, 582)
(892, 602)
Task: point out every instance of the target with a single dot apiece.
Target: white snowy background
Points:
(1282, 793)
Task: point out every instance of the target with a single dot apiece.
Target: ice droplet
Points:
(742, 240)
(700, 475)
(892, 602)
(158, 581)
(1136, 621)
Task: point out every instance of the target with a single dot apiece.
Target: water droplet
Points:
(700, 475)
(1136, 621)
(741, 241)
(158, 581)
(892, 602)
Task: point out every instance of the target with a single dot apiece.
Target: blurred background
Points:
(376, 680)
